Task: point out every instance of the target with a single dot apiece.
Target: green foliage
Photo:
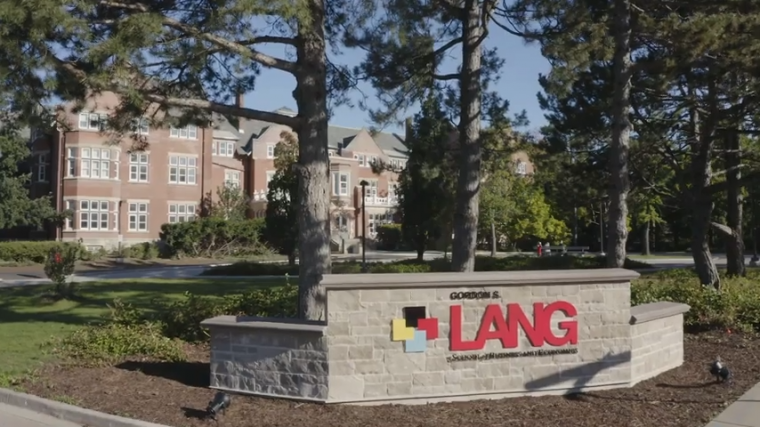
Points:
(113, 341)
(60, 264)
(281, 212)
(425, 187)
(230, 204)
(518, 208)
(511, 263)
(214, 237)
(145, 251)
(182, 319)
(37, 252)
(389, 237)
(736, 306)
(16, 207)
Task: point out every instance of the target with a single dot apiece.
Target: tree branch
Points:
(233, 46)
(453, 76)
(168, 101)
(723, 186)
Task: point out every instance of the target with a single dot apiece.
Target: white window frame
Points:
(141, 126)
(521, 168)
(270, 177)
(270, 151)
(91, 121)
(182, 212)
(70, 205)
(90, 219)
(42, 167)
(139, 167)
(72, 159)
(95, 159)
(224, 148)
(371, 190)
(183, 166)
(187, 132)
(232, 178)
(340, 183)
(137, 219)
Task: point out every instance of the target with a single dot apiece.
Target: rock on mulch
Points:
(177, 394)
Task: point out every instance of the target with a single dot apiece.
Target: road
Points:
(189, 271)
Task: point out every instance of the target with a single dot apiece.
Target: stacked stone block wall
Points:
(284, 359)
(365, 365)
(657, 337)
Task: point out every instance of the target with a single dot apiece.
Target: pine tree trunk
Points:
(468, 184)
(735, 240)
(701, 201)
(645, 238)
(621, 130)
(313, 176)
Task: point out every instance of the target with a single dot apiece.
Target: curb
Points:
(66, 412)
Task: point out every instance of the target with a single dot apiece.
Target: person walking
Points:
(539, 250)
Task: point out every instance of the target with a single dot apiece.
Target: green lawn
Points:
(28, 321)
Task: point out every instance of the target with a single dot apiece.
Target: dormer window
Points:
(522, 168)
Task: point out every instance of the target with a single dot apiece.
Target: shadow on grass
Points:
(32, 303)
(191, 374)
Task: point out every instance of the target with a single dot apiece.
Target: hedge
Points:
(389, 237)
(213, 237)
(513, 263)
(25, 251)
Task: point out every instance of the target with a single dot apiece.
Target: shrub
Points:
(512, 263)
(112, 341)
(737, 306)
(145, 250)
(389, 237)
(23, 251)
(59, 266)
(214, 237)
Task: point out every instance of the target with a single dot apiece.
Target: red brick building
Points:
(119, 196)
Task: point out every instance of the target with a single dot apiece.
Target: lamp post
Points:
(364, 185)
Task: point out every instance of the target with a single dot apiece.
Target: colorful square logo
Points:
(414, 339)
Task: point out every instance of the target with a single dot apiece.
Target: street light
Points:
(364, 185)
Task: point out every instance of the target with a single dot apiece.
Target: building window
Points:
(340, 183)
(92, 121)
(181, 212)
(364, 160)
(182, 170)
(93, 215)
(371, 190)
(138, 216)
(141, 126)
(521, 168)
(138, 167)
(71, 206)
(96, 163)
(71, 161)
(341, 222)
(270, 177)
(187, 132)
(42, 167)
(372, 223)
(270, 151)
(232, 178)
(224, 148)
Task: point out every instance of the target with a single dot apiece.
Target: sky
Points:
(518, 83)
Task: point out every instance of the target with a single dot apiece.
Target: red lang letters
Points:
(505, 328)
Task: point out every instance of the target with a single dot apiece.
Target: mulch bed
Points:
(176, 395)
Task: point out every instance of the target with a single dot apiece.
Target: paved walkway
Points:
(12, 416)
(745, 412)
